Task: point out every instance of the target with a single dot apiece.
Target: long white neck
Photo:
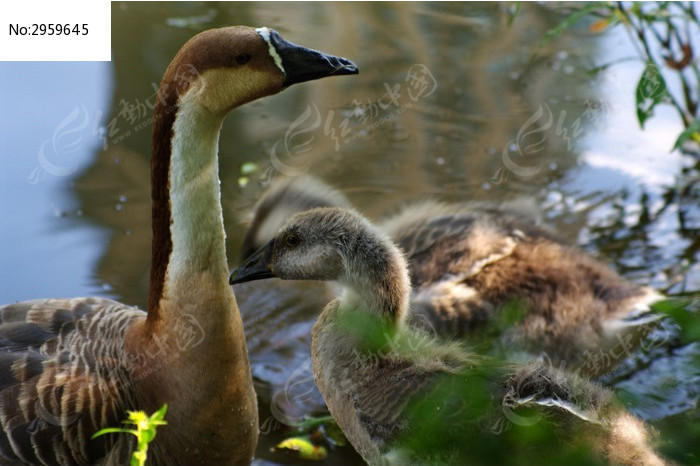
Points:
(197, 228)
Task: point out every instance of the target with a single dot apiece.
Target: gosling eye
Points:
(292, 240)
(243, 58)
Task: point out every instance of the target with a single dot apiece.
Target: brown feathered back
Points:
(64, 361)
(469, 261)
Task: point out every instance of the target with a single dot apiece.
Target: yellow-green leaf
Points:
(691, 132)
(305, 449)
(112, 430)
(139, 419)
(248, 168)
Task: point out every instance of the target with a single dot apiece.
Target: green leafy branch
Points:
(664, 27)
(661, 32)
(145, 431)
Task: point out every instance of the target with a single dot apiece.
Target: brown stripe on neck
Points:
(161, 216)
(176, 80)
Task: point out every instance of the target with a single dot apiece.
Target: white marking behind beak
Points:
(265, 34)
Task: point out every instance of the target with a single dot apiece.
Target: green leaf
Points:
(158, 417)
(651, 90)
(691, 132)
(335, 435)
(514, 10)
(112, 430)
(310, 422)
(681, 311)
(145, 431)
(305, 449)
(148, 435)
(569, 21)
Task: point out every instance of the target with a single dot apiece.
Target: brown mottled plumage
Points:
(373, 370)
(62, 364)
(73, 366)
(467, 261)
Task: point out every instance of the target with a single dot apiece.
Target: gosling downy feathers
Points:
(383, 380)
(73, 366)
(468, 261)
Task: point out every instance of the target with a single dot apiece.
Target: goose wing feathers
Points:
(63, 376)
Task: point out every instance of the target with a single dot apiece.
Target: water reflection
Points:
(476, 120)
(50, 114)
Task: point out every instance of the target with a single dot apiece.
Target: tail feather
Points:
(640, 316)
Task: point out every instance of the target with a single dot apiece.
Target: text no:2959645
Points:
(49, 29)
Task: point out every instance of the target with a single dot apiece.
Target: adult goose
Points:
(467, 261)
(380, 377)
(73, 366)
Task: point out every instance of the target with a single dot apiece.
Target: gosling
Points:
(468, 261)
(379, 376)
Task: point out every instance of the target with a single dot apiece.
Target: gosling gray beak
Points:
(302, 64)
(257, 267)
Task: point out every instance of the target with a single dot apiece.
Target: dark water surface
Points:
(448, 104)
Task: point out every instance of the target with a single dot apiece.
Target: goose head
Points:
(333, 243)
(223, 68)
(214, 72)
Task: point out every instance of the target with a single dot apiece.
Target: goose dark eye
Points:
(243, 58)
(292, 240)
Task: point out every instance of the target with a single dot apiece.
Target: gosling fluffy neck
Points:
(375, 274)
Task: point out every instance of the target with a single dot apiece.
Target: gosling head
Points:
(284, 198)
(332, 243)
(227, 67)
(310, 246)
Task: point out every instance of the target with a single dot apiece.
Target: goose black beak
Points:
(256, 267)
(301, 64)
